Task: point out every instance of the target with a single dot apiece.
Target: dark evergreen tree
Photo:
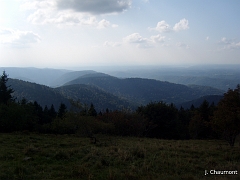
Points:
(107, 110)
(92, 111)
(162, 120)
(38, 110)
(52, 112)
(199, 126)
(184, 119)
(62, 110)
(48, 114)
(5, 91)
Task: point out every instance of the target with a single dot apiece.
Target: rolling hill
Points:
(44, 95)
(88, 94)
(69, 77)
(143, 91)
(106, 91)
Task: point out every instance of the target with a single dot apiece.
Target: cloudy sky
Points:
(75, 33)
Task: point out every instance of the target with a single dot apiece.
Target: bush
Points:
(125, 123)
(74, 123)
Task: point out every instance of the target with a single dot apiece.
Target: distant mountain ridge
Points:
(217, 76)
(35, 75)
(142, 91)
(101, 89)
(69, 77)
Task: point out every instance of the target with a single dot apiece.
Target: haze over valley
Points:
(127, 88)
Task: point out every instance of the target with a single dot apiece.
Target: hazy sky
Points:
(74, 33)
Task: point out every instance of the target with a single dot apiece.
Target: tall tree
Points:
(92, 111)
(199, 126)
(161, 120)
(5, 91)
(52, 113)
(62, 110)
(226, 119)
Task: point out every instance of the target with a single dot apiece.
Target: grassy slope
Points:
(24, 156)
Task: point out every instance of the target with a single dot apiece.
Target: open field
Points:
(36, 156)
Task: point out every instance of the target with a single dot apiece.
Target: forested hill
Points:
(69, 77)
(90, 94)
(197, 102)
(44, 95)
(86, 94)
(106, 91)
(143, 91)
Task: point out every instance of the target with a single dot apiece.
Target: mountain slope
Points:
(220, 83)
(197, 102)
(142, 91)
(35, 92)
(69, 77)
(218, 76)
(88, 94)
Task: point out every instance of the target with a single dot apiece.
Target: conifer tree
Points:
(92, 111)
(5, 91)
(62, 110)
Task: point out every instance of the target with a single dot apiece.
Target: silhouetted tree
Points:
(226, 119)
(199, 126)
(162, 120)
(62, 110)
(92, 111)
(52, 112)
(5, 91)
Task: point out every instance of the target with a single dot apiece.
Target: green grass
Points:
(36, 156)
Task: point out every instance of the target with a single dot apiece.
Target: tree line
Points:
(154, 120)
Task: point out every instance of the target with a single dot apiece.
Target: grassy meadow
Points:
(37, 156)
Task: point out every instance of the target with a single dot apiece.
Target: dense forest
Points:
(153, 120)
(105, 91)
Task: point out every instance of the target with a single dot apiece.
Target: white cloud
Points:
(17, 38)
(142, 42)
(163, 26)
(35, 4)
(103, 24)
(229, 43)
(135, 38)
(95, 7)
(181, 25)
(224, 40)
(207, 38)
(182, 45)
(114, 25)
(158, 38)
(48, 12)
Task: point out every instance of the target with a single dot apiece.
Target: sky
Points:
(77, 33)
